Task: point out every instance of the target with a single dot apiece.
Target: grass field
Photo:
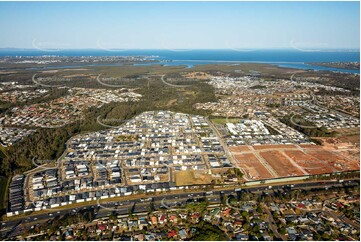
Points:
(225, 120)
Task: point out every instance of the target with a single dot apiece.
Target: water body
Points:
(283, 58)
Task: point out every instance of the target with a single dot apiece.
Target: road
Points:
(224, 146)
(143, 205)
(272, 222)
(170, 84)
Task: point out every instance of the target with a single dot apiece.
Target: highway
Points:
(14, 225)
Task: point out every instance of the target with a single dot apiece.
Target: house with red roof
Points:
(172, 234)
(163, 218)
(173, 218)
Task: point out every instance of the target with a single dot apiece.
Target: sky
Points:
(180, 25)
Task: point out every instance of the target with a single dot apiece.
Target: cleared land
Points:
(294, 160)
(264, 147)
(239, 148)
(335, 161)
(309, 146)
(225, 120)
(190, 177)
(280, 164)
(310, 164)
(252, 166)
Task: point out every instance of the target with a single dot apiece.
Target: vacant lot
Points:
(280, 164)
(337, 162)
(253, 167)
(190, 177)
(310, 146)
(221, 120)
(290, 160)
(263, 147)
(309, 163)
(239, 148)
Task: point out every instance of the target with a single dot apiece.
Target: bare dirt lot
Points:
(310, 164)
(337, 162)
(310, 146)
(280, 164)
(336, 154)
(239, 148)
(264, 147)
(254, 168)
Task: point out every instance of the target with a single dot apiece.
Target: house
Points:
(140, 237)
(69, 235)
(102, 227)
(183, 234)
(207, 217)
(301, 206)
(292, 233)
(241, 237)
(163, 218)
(172, 234)
(215, 212)
(154, 220)
(226, 212)
(195, 217)
(142, 223)
(150, 237)
(173, 218)
(183, 215)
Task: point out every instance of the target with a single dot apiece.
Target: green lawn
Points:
(224, 120)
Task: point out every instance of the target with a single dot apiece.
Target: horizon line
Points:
(180, 49)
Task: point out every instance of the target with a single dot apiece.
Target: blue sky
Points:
(180, 25)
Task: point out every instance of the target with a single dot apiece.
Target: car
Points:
(50, 214)
(35, 219)
(58, 212)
